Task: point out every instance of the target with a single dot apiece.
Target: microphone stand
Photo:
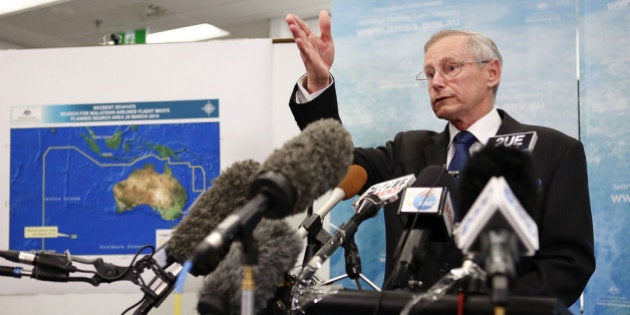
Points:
(249, 259)
(312, 245)
(365, 209)
(410, 253)
(353, 265)
(159, 288)
(316, 236)
(500, 251)
(49, 266)
(353, 261)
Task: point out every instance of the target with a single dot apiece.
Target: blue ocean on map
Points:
(63, 179)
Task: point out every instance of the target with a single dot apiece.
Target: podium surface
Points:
(349, 302)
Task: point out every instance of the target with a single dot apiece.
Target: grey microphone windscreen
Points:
(228, 192)
(314, 162)
(278, 250)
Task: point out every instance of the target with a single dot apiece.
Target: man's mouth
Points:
(440, 99)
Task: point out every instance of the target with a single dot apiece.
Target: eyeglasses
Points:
(448, 70)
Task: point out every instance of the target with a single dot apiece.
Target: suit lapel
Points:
(508, 124)
(435, 153)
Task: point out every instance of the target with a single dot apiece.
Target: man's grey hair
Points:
(481, 46)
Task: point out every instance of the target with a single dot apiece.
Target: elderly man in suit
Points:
(462, 71)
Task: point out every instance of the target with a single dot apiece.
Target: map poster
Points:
(100, 179)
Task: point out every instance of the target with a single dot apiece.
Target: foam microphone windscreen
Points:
(354, 180)
(228, 192)
(278, 249)
(313, 162)
(514, 165)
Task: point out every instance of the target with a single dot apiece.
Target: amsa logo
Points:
(425, 201)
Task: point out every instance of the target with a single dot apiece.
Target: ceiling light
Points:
(15, 6)
(187, 34)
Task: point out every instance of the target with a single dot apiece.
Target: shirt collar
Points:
(484, 128)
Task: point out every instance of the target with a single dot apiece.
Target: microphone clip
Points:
(315, 227)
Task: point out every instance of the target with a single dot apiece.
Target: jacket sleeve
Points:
(323, 106)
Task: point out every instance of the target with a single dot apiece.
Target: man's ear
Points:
(493, 71)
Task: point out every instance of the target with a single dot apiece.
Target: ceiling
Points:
(86, 22)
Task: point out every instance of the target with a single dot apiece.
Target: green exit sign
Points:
(133, 37)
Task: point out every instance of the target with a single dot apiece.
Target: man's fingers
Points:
(293, 19)
(324, 26)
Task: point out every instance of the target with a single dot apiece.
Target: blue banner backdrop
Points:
(379, 50)
(604, 30)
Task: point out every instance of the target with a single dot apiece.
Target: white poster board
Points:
(233, 75)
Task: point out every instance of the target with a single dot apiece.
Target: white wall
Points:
(82, 75)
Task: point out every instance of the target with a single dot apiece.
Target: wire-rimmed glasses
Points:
(448, 70)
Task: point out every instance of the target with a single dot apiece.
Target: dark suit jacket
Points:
(565, 261)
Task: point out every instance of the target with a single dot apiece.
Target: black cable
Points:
(140, 280)
(132, 306)
(86, 271)
(131, 264)
(381, 295)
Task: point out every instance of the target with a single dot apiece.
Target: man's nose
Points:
(438, 79)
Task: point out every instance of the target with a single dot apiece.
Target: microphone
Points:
(210, 208)
(427, 213)
(429, 202)
(499, 228)
(44, 259)
(388, 191)
(42, 272)
(48, 266)
(349, 186)
(279, 248)
(514, 164)
(292, 177)
(365, 207)
(498, 186)
(206, 212)
(14, 272)
(524, 141)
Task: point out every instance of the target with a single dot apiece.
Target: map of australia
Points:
(162, 192)
(106, 189)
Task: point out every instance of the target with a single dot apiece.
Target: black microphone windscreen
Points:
(438, 176)
(278, 250)
(313, 162)
(434, 176)
(228, 192)
(514, 165)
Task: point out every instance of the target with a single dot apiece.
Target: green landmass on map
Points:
(113, 142)
(162, 192)
(91, 142)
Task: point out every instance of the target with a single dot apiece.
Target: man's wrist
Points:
(303, 95)
(312, 87)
